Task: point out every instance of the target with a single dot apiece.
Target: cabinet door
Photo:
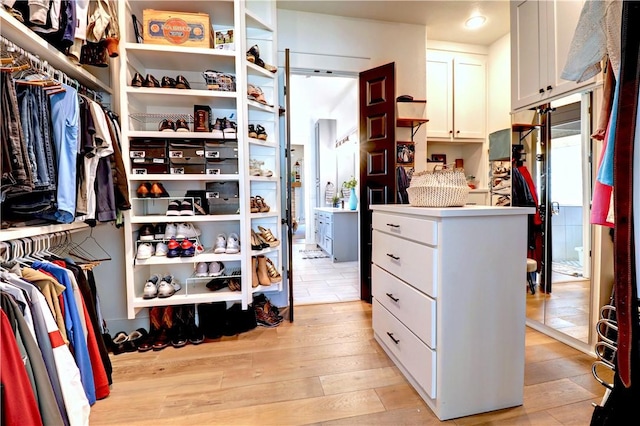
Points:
(469, 97)
(526, 61)
(561, 22)
(439, 95)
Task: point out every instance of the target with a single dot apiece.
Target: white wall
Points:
(499, 88)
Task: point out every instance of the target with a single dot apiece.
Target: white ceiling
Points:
(444, 19)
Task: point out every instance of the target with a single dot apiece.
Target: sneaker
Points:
(145, 251)
(146, 232)
(221, 244)
(187, 248)
(216, 269)
(170, 231)
(217, 132)
(199, 247)
(173, 248)
(151, 287)
(167, 287)
(186, 208)
(202, 270)
(158, 231)
(187, 230)
(174, 208)
(161, 249)
(233, 243)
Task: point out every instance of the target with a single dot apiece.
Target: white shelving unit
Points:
(253, 23)
(16, 32)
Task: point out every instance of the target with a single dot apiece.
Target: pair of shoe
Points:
(123, 342)
(171, 325)
(185, 248)
(232, 281)
(257, 132)
(228, 245)
(180, 231)
(175, 83)
(213, 269)
(253, 56)
(185, 207)
(258, 205)
(168, 125)
(160, 286)
(155, 190)
(255, 93)
(263, 271)
(264, 239)
(267, 315)
(150, 232)
(224, 128)
(255, 168)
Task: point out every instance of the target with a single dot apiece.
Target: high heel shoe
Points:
(261, 133)
(268, 237)
(263, 273)
(252, 131)
(274, 275)
(256, 242)
(254, 205)
(255, 282)
(263, 207)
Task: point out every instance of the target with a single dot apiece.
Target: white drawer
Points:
(413, 263)
(415, 310)
(415, 356)
(416, 229)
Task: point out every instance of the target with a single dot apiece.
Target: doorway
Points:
(320, 97)
(561, 153)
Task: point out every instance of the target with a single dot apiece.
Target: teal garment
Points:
(500, 145)
(605, 172)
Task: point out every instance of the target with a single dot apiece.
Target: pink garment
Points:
(602, 194)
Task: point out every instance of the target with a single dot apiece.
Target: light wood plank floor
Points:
(323, 369)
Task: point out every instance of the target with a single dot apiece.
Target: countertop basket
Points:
(438, 188)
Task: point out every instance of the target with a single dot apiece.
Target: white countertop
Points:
(335, 210)
(465, 211)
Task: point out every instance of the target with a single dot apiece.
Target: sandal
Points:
(254, 168)
(253, 54)
(274, 275)
(263, 207)
(261, 133)
(252, 131)
(257, 243)
(255, 93)
(254, 205)
(268, 237)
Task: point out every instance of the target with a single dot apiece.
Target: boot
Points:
(254, 276)
(155, 324)
(263, 274)
(212, 318)
(162, 340)
(194, 333)
(179, 329)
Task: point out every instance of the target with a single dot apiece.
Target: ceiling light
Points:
(475, 22)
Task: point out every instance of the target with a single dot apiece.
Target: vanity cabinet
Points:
(337, 233)
(449, 288)
(541, 34)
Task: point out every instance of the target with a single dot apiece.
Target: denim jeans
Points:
(33, 137)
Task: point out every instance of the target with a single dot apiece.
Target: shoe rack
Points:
(226, 191)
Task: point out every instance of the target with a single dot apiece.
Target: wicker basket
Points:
(439, 188)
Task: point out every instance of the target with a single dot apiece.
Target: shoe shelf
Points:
(183, 177)
(182, 97)
(273, 178)
(180, 58)
(185, 219)
(196, 296)
(173, 135)
(260, 107)
(262, 142)
(256, 71)
(207, 256)
(255, 22)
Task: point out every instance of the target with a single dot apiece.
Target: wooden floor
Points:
(325, 368)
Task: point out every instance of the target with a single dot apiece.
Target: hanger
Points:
(82, 252)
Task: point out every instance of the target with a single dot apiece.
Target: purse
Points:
(438, 188)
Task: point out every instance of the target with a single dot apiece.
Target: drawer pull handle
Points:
(393, 257)
(393, 225)
(396, 341)
(395, 299)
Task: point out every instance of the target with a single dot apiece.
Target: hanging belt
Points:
(624, 257)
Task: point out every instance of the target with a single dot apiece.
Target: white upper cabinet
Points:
(541, 34)
(456, 95)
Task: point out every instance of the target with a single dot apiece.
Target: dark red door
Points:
(377, 156)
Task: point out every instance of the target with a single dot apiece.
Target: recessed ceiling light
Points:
(475, 22)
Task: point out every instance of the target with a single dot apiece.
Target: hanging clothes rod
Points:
(46, 68)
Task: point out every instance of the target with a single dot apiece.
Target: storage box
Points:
(223, 205)
(223, 189)
(147, 149)
(149, 167)
(186, 149)
(220, 149)
(222, 167)
(187, 166)
(176, 28)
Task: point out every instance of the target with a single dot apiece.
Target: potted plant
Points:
(351, 186)
(335, 200)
